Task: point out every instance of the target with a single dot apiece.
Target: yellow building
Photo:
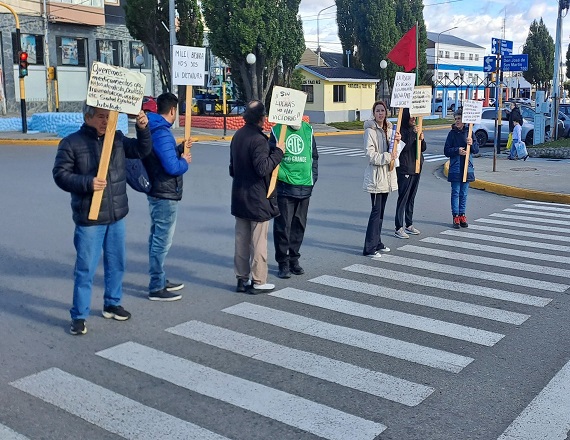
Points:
(338, 94)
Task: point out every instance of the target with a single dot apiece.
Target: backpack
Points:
(137, 177)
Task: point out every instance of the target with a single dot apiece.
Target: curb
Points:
(513, 191)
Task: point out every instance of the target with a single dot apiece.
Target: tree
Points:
(408, 13)
(240, 27)
(568, 62)
(539, 46)
(144, 20)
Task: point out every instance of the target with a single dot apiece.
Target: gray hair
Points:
(458, 112)
(88, 111)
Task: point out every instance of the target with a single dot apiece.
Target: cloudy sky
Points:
(477, 21)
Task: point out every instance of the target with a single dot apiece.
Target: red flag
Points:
(404, 52)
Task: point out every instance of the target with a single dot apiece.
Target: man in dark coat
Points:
(75, 171)
(514, 115)
(251, 163)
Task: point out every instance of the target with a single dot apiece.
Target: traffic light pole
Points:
(22, 86)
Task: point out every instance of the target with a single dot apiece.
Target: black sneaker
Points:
(242, 285)
(284, 271)
(296, 269)
(116, 312)
(78, 327)
(173, 287)
(164, 295)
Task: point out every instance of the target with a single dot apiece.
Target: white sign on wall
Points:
(403, 90)
(421, 101)
(115, 88)
(287, 106)
(472, 111)
(188, 65)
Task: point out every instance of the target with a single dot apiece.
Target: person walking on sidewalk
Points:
(252, 162)
(456, 149)
(378, 179)
(75, 171)
(518, 151)
(408, 179)
(165, 167)
(298, 174)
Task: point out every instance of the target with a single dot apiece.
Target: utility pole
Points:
(46, 59)
(172, 33)
(562, 5)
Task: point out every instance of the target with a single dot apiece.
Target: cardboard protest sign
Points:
(421, 106)
(287, 107)
(471, 115)
(402, 96)
(115, 88)
(119, 90)
(188, 68)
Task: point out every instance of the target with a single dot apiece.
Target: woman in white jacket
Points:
(378, 179)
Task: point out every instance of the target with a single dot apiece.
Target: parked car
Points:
(438, 107)
(485, 131)
(149, 104)
(529, 113)
(566, 121)
(564, 108)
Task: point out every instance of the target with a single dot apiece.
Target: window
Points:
(456, 55)
(139, 49)
(309, 91)
(339, 93)
(94, 3)
(109, 52)
(462, 56)
(476, 57)
(470, 57)
(32, 44)
(440, 53)
(446, 54)
(439, 75)
(476, 79)
(70, 51)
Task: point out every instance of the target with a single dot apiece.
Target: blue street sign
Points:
(515, 63)
(489, 64)
(506, 46)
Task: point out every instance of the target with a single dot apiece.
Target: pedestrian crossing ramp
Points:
(322, 348)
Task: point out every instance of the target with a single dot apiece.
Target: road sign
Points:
(489, 63)
(506, 46)
(515, 63)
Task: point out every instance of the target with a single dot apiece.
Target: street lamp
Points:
(383, 65)
(461, 74)
(139, 61)
(437, 48)
(318, 34)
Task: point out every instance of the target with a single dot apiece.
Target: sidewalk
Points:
(536, 179)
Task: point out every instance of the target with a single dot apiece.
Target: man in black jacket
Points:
(514, 115)
(75, 171)
(251, 163)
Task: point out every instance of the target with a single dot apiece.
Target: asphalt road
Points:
(448, 337)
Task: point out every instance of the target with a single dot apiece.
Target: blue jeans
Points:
(459, 197)
(163, 222)
(89, 241)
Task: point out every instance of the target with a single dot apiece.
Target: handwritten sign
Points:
(188, 65)
(421, 101)
(115, 88)
(287, 106)
(472, 111)
(403, 90)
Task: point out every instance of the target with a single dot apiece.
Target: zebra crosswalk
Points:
(359, 152)
(457, 274)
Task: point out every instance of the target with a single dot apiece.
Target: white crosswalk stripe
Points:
(544, 207)
(107, 409)
(542, 213)
(359, 152)
(9, 434)
(528, 234)
(523, 225)
(352, 376)
(499, 239)
(408, 320)
(292, 410)
(522, 218)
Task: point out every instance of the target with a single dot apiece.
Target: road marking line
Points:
(423, 300)
(544, 214)
(547, 417)
(544, 207)
(497, 262)
(328, 150)
(394, 317)
(551, 228)
(526, 233)
(499, 239)
(531, 219)
(9, 434)
(474, 273)
(496, 250)
(290, 409)
(453, 286)
(345, 374)
(396, 348)
(109, 410)
(535, 202)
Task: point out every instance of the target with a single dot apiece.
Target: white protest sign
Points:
(188, 65)
(287, 106)
(403, 90)
(472, 111)
(115, 88)
(421, 101)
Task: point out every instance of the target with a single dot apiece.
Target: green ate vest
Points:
(296, 168)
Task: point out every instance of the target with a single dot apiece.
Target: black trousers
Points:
(289, 228)
(373, 242)
(407, 189)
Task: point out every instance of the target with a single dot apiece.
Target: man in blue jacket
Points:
(165, 167)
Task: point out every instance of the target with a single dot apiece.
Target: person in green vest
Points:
(298, 174)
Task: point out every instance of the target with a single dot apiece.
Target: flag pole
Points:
(419, 120)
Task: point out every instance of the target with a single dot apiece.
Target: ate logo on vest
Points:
(295, 144)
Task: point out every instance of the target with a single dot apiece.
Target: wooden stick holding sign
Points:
(396, 141)
(402, 95)
(118, 90)
(188, 67)
(421, 106)
(471, 115)
(287, 107)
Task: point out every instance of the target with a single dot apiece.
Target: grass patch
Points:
(359, 125)
(560, 143)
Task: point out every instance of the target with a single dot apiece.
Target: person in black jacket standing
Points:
(514, 115)
(408, 179)
(75, 171)
(251, 163)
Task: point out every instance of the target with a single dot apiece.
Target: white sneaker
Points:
(412, 231)
(263, 287)
(376, 255)
(400, 233)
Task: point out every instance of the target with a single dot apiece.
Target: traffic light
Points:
(23, 57)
